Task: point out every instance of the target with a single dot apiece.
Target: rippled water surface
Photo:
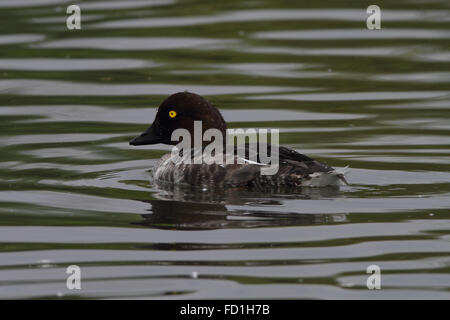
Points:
(72, 191)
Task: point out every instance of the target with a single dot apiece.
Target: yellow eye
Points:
(172, 114)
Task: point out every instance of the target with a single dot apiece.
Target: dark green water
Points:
(72, 191)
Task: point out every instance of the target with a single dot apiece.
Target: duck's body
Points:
(294, 169)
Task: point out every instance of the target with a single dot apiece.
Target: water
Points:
(72, 191)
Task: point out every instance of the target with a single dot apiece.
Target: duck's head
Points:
(179, 111)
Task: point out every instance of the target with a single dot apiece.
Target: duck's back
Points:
(295, 170)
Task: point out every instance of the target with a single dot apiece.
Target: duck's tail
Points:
(340, 174)
(324, 179)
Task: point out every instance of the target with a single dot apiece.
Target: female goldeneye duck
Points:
(180, 110)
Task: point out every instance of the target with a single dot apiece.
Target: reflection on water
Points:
(130, 43)
(72, 191)
(354, 96)
(273, 15)
(52, 64)
(349, 34)
(184, 208)
(19, 38)
(62, 88)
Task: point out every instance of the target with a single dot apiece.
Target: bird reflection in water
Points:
(187, 208)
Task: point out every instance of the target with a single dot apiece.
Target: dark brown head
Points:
(179, 111)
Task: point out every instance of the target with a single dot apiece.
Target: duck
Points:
(181, 110)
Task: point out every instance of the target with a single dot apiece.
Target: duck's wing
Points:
(249, 150)
(290, 154)
(285, 156)
(313, 172)
(300, 166)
